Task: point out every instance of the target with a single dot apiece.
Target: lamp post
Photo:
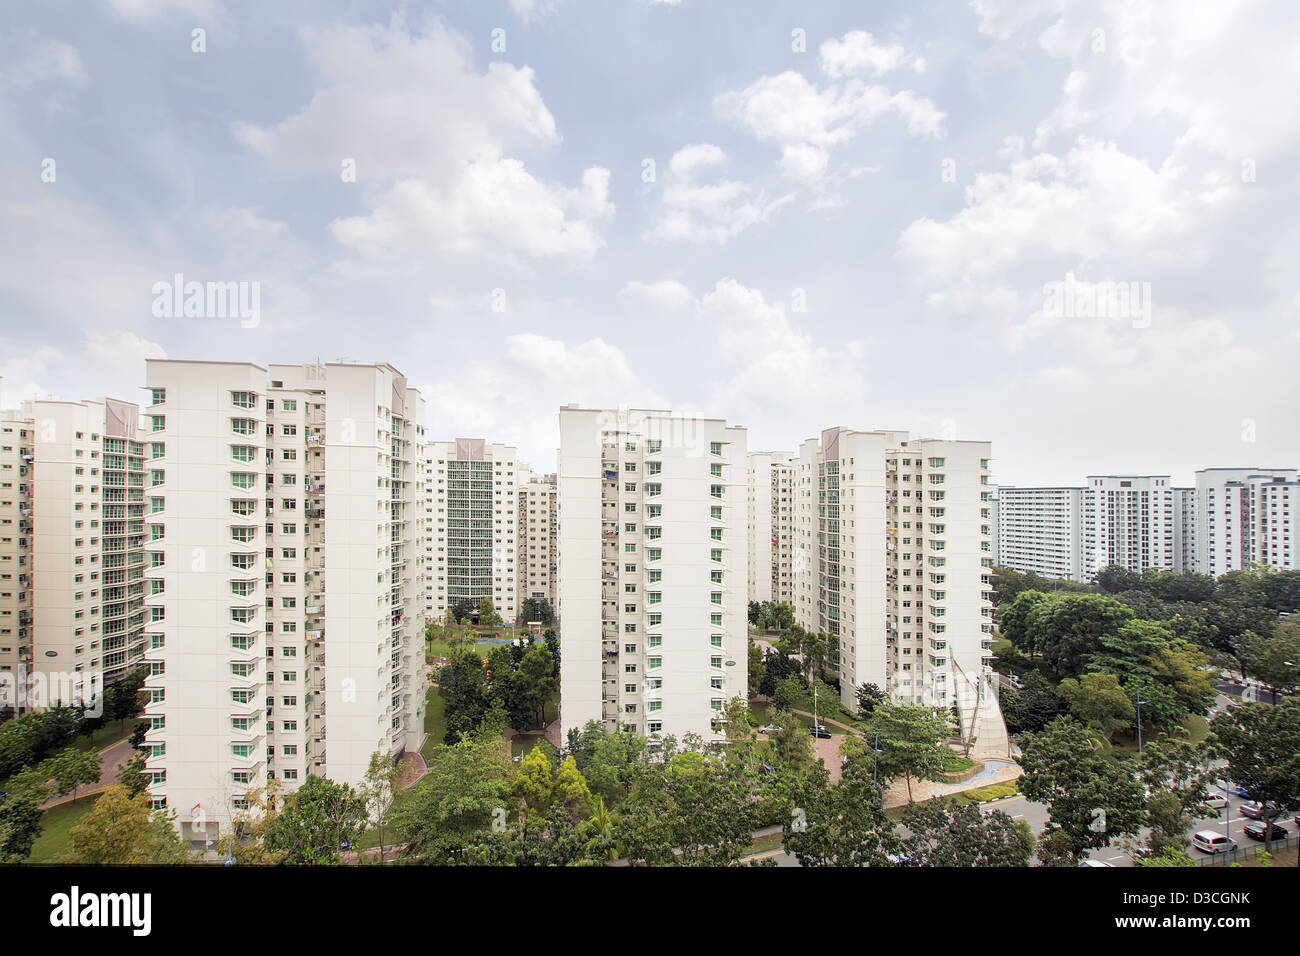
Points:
(876, 751)
(1139, 702)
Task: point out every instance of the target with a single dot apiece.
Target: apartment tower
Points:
(286, 572)
(653, 570)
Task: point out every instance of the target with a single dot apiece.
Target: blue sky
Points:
(791, 218)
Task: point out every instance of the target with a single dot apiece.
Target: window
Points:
(655, 575)
(715, 554)
(715, 534)
(653, 554)
(715, 448)
(243, 399)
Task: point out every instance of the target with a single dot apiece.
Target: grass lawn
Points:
(1194, 728)
(761, 845)
(53, 842)
(1281, 859)
(955, 763)
(435, 724)
(106, 736)
(1010, 788)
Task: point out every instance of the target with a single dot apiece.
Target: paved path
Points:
(114, 756)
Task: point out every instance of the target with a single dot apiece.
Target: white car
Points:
(1095, 863)
(1215, 801)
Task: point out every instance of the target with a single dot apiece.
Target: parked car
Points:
(817, 730)
(1094, 863)
(768, 729)
(1257, 811)
(1215, 801)
(1237, 791)
(1141, 852)
(1208, 841)
(1255, 830)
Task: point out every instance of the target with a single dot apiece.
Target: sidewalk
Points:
(114, 756)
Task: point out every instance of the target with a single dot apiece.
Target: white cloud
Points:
(430, 134)
(775, 368)
(808, 123)
(699, 212)
(665, 294)
(858, 52)
(151, 11)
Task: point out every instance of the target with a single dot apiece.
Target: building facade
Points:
(286, 579)
(1243, 516)
(1130, 521)
(471, 525)
(72, 536)
(770, 509)
(536, 542)
(1041, 530)
(895, 543)
(653, 570)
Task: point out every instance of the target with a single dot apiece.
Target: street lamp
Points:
(876, 751)
(1139, 702)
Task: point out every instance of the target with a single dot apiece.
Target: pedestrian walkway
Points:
(114, 756)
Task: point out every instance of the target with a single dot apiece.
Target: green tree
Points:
(377, 792)
(791, 745)
(20, 820)
(487, 613)
(736, 714)
(946, 833)
(533, 785)
(71, 769)
(1068, 630)
(1015, 620)
(537, 671)
(1117, 578)
(571, 792)
(756, 666)
(842, 825)
(122, 829)
(462, 684)
(869, 696)
(1098, 701)
(455, 801)
(1168, 823)
(1092, 797)
(1261, 743)
(317, 820)
(1272, 659)
(132, 775)
(913, 739)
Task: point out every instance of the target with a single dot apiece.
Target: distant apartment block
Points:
(72, 537)
(1245, 516)
(285, 576)
(471, 525)
(537, 546)
(894, 540)
(653, 570)
(1041, 530)
(770, 510)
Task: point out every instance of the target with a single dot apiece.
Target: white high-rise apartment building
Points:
(1042, 530)
(1130, 521)
(536, 551)
(1185, 529)
(286, 571)
(1244, 516)
(896, 543)
(72, 488)
(653, 570)
(470, 526)
(771, 526)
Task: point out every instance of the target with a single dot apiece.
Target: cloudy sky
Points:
(1069, 228)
